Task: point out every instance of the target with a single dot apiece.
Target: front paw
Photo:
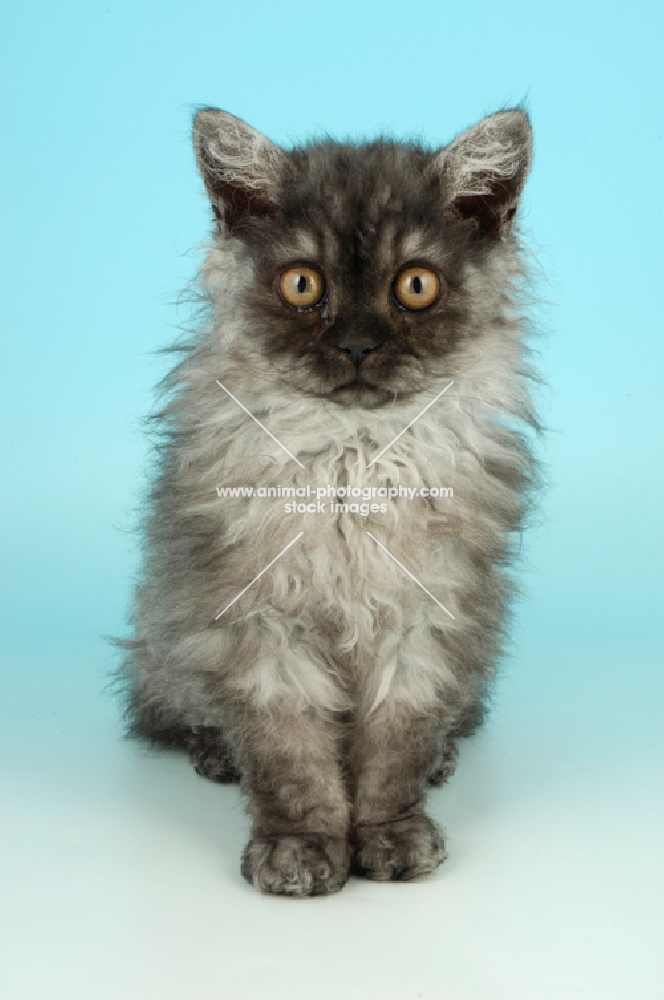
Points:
(401, 849)
(310, 864)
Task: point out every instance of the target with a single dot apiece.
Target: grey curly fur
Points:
(335, 688)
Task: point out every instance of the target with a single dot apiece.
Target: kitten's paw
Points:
(210, 756)
(401, 849)
(298, 865)
(445, 765)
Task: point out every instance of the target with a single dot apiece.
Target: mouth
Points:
(356, 383)
(358, 392)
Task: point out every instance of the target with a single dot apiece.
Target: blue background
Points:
(101, 211)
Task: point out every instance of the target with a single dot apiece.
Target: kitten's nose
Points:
(358, 352)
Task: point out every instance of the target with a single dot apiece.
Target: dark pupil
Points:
(417, 285)
(302, 284)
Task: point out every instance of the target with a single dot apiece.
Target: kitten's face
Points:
(358, 278)
(360, 257)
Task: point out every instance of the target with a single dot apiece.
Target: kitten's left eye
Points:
(302, 286)
(416, 287)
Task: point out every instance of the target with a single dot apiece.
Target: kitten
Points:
(347, 287)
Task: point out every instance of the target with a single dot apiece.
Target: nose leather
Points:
(358, 352)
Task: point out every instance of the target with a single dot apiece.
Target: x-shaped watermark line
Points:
(380, 545)
(217, 617)
(260, 424)
(408, 573)
(387, 552)
(409, 425)
(290, 453)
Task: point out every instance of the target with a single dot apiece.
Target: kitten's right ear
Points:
(240, 167)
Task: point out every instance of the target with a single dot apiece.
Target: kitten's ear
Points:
(240, 167)
(485, 169)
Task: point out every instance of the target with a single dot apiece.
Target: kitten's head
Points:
(371, 265)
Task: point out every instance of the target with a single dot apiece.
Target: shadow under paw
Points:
(401, 849)
(310, 864)
(211, 757)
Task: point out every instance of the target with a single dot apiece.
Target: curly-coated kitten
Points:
(362, 331)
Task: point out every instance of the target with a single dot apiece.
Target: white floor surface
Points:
(119, 869)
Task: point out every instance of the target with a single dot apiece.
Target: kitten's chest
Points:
(374, 524)
(371, 530)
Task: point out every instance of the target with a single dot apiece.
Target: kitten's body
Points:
(335, 685)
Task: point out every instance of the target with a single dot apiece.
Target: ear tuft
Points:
(485, 169)
(241, 169)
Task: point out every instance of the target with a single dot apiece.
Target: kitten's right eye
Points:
(302, 287)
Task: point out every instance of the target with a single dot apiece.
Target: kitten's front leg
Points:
(392, 756)
(298, 803)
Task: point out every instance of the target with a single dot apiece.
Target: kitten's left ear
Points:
(485, 169)
(241, 169)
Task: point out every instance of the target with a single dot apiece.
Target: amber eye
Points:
(302, 287)
(416, 287)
